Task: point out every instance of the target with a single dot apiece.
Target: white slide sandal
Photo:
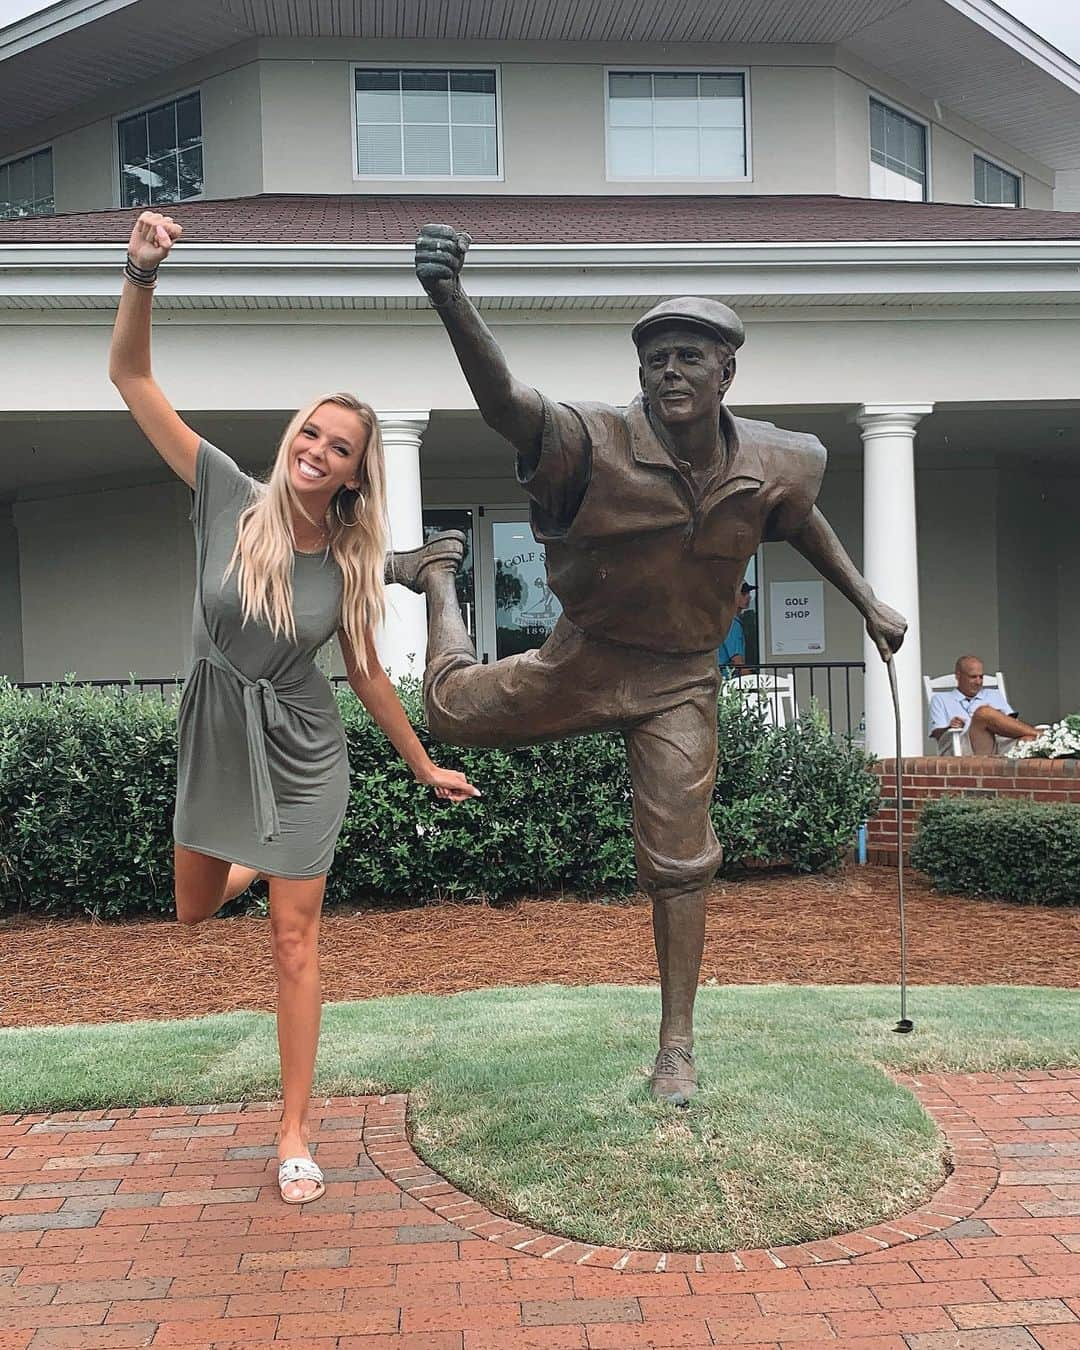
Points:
(300, 1169)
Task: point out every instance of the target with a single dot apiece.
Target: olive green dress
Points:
(262, 774)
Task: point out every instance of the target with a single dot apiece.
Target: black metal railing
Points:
(786, 690)
(791, 689)
(168, 686)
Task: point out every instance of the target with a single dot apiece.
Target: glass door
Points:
(502, 586)
(517, 608)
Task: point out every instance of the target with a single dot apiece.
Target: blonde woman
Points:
(263, 774)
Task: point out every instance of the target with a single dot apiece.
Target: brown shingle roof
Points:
(372, 219)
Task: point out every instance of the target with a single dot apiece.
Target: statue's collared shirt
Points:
(639, 554)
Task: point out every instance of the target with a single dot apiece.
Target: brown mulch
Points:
(761, 929)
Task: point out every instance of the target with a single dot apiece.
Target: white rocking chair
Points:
(774, 693)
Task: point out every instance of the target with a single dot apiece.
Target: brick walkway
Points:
(162, 1227)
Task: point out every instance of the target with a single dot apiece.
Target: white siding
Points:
(1028, 527)
(1068, 603)
(277, 117)
(958, 565)
(403, 360)
(232, 133)
(106, 583)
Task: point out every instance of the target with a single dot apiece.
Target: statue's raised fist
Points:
(440, 252)
(152, 238)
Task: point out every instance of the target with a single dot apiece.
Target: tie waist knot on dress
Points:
(262, 713)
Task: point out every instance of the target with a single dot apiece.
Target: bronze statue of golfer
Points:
(649, 517)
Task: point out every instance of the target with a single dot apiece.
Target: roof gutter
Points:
(33, 272)
(197, 257)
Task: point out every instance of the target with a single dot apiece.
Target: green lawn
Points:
(534, 1100)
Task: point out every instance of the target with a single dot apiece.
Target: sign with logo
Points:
(525, 606)
(797, 618)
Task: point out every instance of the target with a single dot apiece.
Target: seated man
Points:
(982, 713)
(731, 657)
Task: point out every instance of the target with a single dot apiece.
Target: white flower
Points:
(1055, 742)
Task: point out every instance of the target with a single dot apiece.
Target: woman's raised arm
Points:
(129, 355)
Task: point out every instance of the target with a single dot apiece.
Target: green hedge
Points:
(87, 781)
(1008, 849)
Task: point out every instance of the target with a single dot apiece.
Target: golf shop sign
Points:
(797, 618)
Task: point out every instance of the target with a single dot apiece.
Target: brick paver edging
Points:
(973, 1175)
(163, 1227)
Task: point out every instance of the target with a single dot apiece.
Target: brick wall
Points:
(1039, 780)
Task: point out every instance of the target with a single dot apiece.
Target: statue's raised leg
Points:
(532, 696)
(430, 571)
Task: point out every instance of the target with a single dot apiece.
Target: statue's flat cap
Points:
(696, 312)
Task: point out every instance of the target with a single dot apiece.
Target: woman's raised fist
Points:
(152, 238)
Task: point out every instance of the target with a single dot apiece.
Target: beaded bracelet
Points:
(145, 277)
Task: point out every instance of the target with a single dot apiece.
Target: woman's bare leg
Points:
(200, 884)
(204, 884)
(295, 907)
(240, 878)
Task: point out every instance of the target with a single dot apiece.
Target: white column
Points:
(891, 566)
(402, 638)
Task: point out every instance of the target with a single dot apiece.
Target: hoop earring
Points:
(359, 506)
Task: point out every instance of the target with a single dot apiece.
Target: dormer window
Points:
(995, 186)
(898, 158)
(676, 124)
(26, 186)
(161, 153)
(423, 122)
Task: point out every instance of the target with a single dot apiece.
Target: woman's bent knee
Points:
(196, 904)
(199, 885)
(189, 914)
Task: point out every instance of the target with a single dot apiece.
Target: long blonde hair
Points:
(263, 556)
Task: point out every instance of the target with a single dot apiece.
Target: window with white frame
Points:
(995, 186)
(897, 155)
(26, 186)
(161, 153)
(676, 124)
(426, 123)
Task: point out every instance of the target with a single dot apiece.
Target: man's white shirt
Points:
(951, 703)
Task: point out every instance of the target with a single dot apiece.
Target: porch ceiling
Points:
(49, 455)
(956, 436)
(54, 453)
